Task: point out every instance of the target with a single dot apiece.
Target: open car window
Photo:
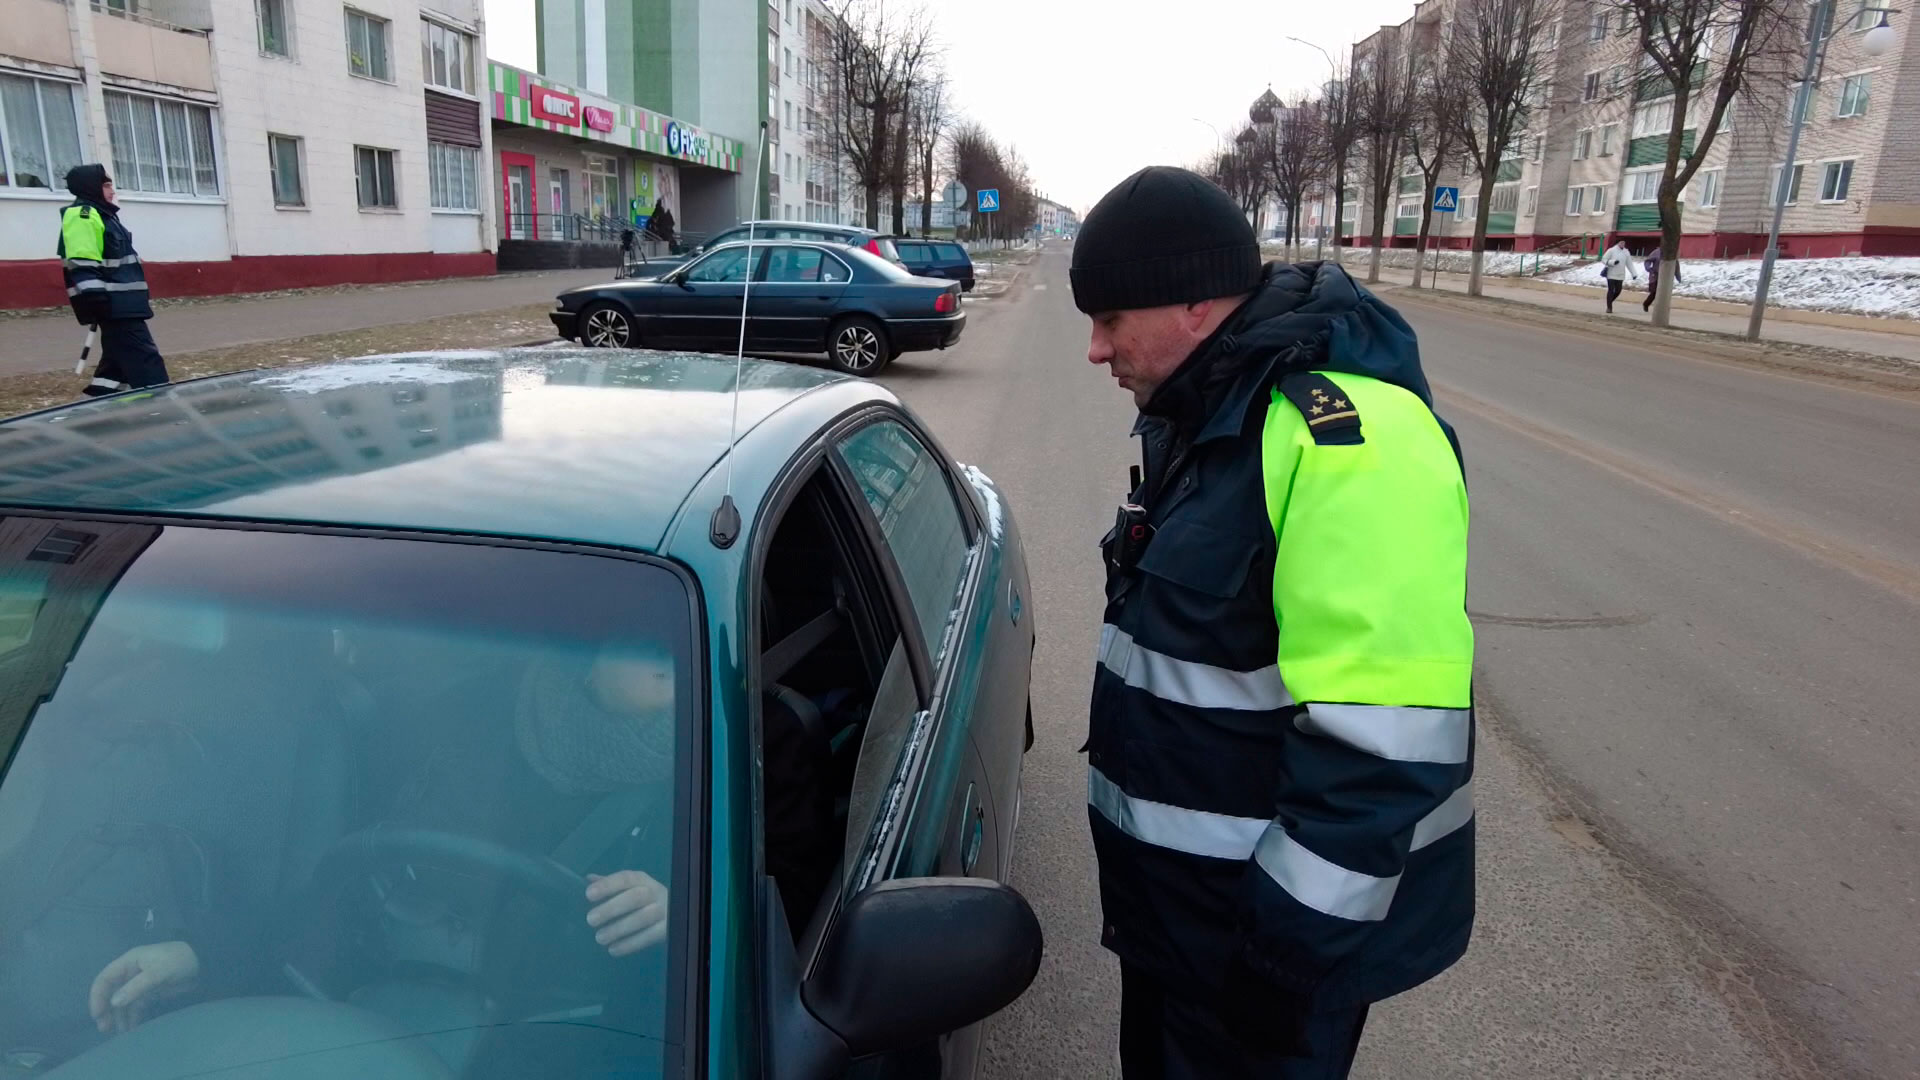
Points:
(346, 792)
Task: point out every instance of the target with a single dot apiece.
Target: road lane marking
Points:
(1896, 577)
(1040, 288)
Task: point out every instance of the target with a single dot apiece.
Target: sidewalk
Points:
(45, 343)
(1627, 308)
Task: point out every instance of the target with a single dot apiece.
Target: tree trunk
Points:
(1426, 225)
(1379, 237)
(1669, 257)
(873, 203)
(1339, 203)
(1483, 206)
(926, 191)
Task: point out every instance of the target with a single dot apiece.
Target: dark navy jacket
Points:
(1325, 845)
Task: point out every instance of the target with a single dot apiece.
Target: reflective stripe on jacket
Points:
(1281, 734)
(105, 279)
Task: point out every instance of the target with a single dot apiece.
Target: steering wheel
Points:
(389, 846)
(397, 851)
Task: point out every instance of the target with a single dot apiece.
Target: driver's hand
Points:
(144, 975)
(629, 913)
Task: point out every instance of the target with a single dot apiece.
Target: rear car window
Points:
(913, 253)
(320, 782)
(951, 252)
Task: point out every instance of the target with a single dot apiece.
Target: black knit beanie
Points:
(1163, 236)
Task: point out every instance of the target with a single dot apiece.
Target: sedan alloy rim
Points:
(859, 348)
(606, 328)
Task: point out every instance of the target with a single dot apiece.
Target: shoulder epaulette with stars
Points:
(1330, 416)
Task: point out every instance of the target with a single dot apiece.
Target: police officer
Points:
(106, 284)
(1281, 730)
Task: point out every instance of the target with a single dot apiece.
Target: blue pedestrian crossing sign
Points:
(1446, 200)
(988, 200)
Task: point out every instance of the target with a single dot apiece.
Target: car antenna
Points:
(724, 529)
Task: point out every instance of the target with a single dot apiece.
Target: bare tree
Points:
(1693, 53)
(1293, 160)
(1240, 174)
(876, 54)
(1433, 122)
(1384, 99)
(929, 109)
(1494, 51)
(1340, 129)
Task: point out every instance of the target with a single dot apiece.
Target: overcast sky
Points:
(1090, 91)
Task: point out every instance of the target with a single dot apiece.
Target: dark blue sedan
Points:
(806, 297)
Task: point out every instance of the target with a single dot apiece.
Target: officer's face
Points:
(1145, 346)
(106, 191)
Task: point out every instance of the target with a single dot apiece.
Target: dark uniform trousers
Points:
(127, 355)
(1164, 1036)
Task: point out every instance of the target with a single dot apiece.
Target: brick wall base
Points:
(37, 282)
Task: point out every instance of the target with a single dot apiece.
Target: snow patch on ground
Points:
(1882, 286)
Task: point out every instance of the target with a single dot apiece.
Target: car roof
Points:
(586, 446)
(821, 225)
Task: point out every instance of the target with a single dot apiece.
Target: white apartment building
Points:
(1588, 167)
(254, 144)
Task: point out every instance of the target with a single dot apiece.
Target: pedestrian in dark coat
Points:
(107, 285)
(1653, 278)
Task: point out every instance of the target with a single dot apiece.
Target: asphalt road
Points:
(1695, 587)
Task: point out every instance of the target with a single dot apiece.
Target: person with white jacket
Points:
(1616, 264)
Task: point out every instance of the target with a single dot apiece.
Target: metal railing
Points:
(577, 228)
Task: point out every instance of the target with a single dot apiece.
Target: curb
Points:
(1806, 316)
(1840, 365)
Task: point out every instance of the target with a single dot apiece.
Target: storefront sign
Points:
(597, 118)
(555, 107)
(684, 141)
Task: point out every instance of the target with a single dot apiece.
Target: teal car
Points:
(523, 714)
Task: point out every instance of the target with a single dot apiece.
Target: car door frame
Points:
(880, 849)
(713, 321)
(796, 314)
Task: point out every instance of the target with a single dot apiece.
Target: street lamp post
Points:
(1319, 235)
(1877, 42)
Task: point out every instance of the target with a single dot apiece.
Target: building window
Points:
(1835, 181)
(161, 145)
(1591, 92)
(1643, 187)
(1576, 200)
(39, 132)
(1539, 147)
(1597, 199)
(1407, 209)
(1533, 201)
(1617, 78)
(373, 172)
(1583, 144)
(274, 27)
(1654, 119)
(1854, 93)
(1597, 31)
(1796, 108)
(1867, 15)
(603, 186)
(453, 172)
(1607, 134)
(1470, 209)
(1710, 189)
(446, 57)
(1793, 189)
(367, 46)
(283, 158)
(1552, 39)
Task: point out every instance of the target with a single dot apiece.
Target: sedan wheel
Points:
(606, 327)
(859, 348)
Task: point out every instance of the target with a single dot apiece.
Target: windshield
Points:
(400, 807)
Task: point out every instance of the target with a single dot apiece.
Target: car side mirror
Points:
(913, 959)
